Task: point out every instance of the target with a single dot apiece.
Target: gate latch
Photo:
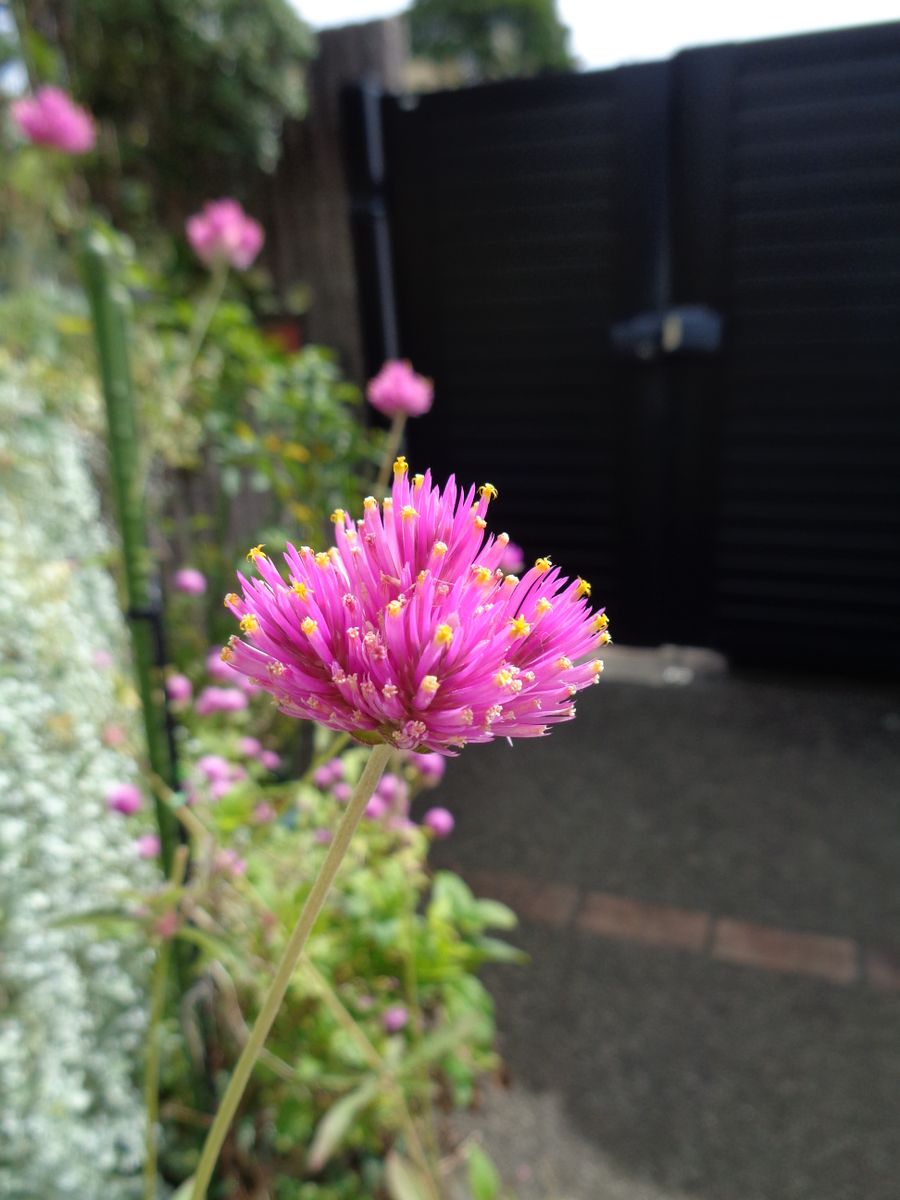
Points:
(688, 329)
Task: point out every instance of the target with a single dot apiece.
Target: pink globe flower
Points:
(322, 777)
(336, 767)
(214, 767)
(439, 821)
(52, 118)
(322, 836)
(342, 792)
(398, 389)
(190, 581)
(376, 808)
(250, 746)
(124, 798)
(219, 788)
(179, 689)
(270, 760)
(513, 560)
(394, 1018)
(390, 787)
(431, 767)
(147, 845)
(406, 631)
(264, 813)
(220, 700)
(223, 233)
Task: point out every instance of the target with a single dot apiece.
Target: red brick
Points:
(831, 958)
(649, 924)
(883, 970)
(547, 903)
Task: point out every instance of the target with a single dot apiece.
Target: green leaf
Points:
(436, 1045)
(336, 1123)
(484, 1180)
(494, 950)
(494, 915)
(404, 1180)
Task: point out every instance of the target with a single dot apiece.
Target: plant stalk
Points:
(312, 906)
(394, 441)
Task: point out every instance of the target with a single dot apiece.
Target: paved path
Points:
(708, 873)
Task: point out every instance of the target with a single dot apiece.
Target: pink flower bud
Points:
(395, 1018)
(179, 689)
(214, 767)
(431, 767)
(223, 233)
(219, 670)
(322, 836)
(113, 735)
(124, 798)
(321, 777)
(270, 760)
(218, 700)
(264, 813)
(52, 118)
(376, 808)
(147, 845)
(190, 581)
(398, 389)
(167, 925)
(342, 792)
(336, 767)
(439, 821)
(513, 560)
(250, 746)
(390, 787)
(229, 862)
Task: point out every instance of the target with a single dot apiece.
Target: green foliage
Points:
(195, 91)
(491, 39)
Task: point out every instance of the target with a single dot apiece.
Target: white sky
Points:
(607, 32)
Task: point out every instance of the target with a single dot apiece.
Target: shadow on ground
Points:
(676, 1075)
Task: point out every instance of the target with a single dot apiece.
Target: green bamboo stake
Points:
(108, 304)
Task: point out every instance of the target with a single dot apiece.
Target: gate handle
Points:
(688, 329)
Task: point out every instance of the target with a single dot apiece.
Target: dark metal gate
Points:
(661, 305)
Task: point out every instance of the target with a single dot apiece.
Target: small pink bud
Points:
(264, 813)
(270, 760)
(219, 700)
(179, 689)
(439, 821)
(230, 862)
(395, 1018)
(376, 808)
(250, 746)
(147, 845)
(336, 767)
(322, 777)
(214, 767)
(431, 767)
(223, 233)
(190, 581)
(124, 798)
(342, 792)
(113, 735)
(166, 926)
(513, 560)
(322, 836)
(52, 118)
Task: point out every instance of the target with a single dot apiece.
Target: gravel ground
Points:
(651, 1074)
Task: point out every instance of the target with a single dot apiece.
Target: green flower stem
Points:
(200, 327)
(368, 781)
(394, 441)
(357, 1035)
(151, 1057)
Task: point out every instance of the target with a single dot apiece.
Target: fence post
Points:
(108, 315)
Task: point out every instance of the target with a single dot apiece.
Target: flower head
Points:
(250, 746)
(398, 389)
(178, 689)
(147, 845)
(408, 632)
(430, 767)
(394, 1018)
(270, 760)
(52, 118)
(440, 821)
(190, 581)
(217, 700)
(223, 233)
(124, 798)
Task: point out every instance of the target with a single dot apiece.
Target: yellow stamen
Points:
(439, 548)
(322, 559)
(597, 666)
(503, 539)
(309, 626)
(395, 608)
(600, 622)
(301, 589)
(480, 522)
(543, 565)
(604, 639)
(584, 588)
(510, 580)
(226, 654)
(519, 627)
(408, 512)
(504, 677)
(249, 623)
(418, 480)
(430, 684)
(488, 489)
(232, 600)
(483, 575)
(369, 503)
(564, 664)
(400, 465)
(256, 552)
(443, 635)
(337, 516)
(543, 605)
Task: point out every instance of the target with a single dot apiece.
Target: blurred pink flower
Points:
(102, 659)
(52, 118)
(322, 836)
(219, 788)
(376, 808)
(513, 560)
(190, 581)
(336, 767)
(406, 631)
(179, 689)
(270, 760)
(250, 746)
(220, 671)
(398, 389)
(439, 821)
(395, 1018)
(124, 798)
(167, 925)
(113, 735)
(147, 845)
(214, 767)
(342, 792)
(264, 813)
(230, 862)
(321, 777)
(431, 767)
(218, 700)
(223, 233)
